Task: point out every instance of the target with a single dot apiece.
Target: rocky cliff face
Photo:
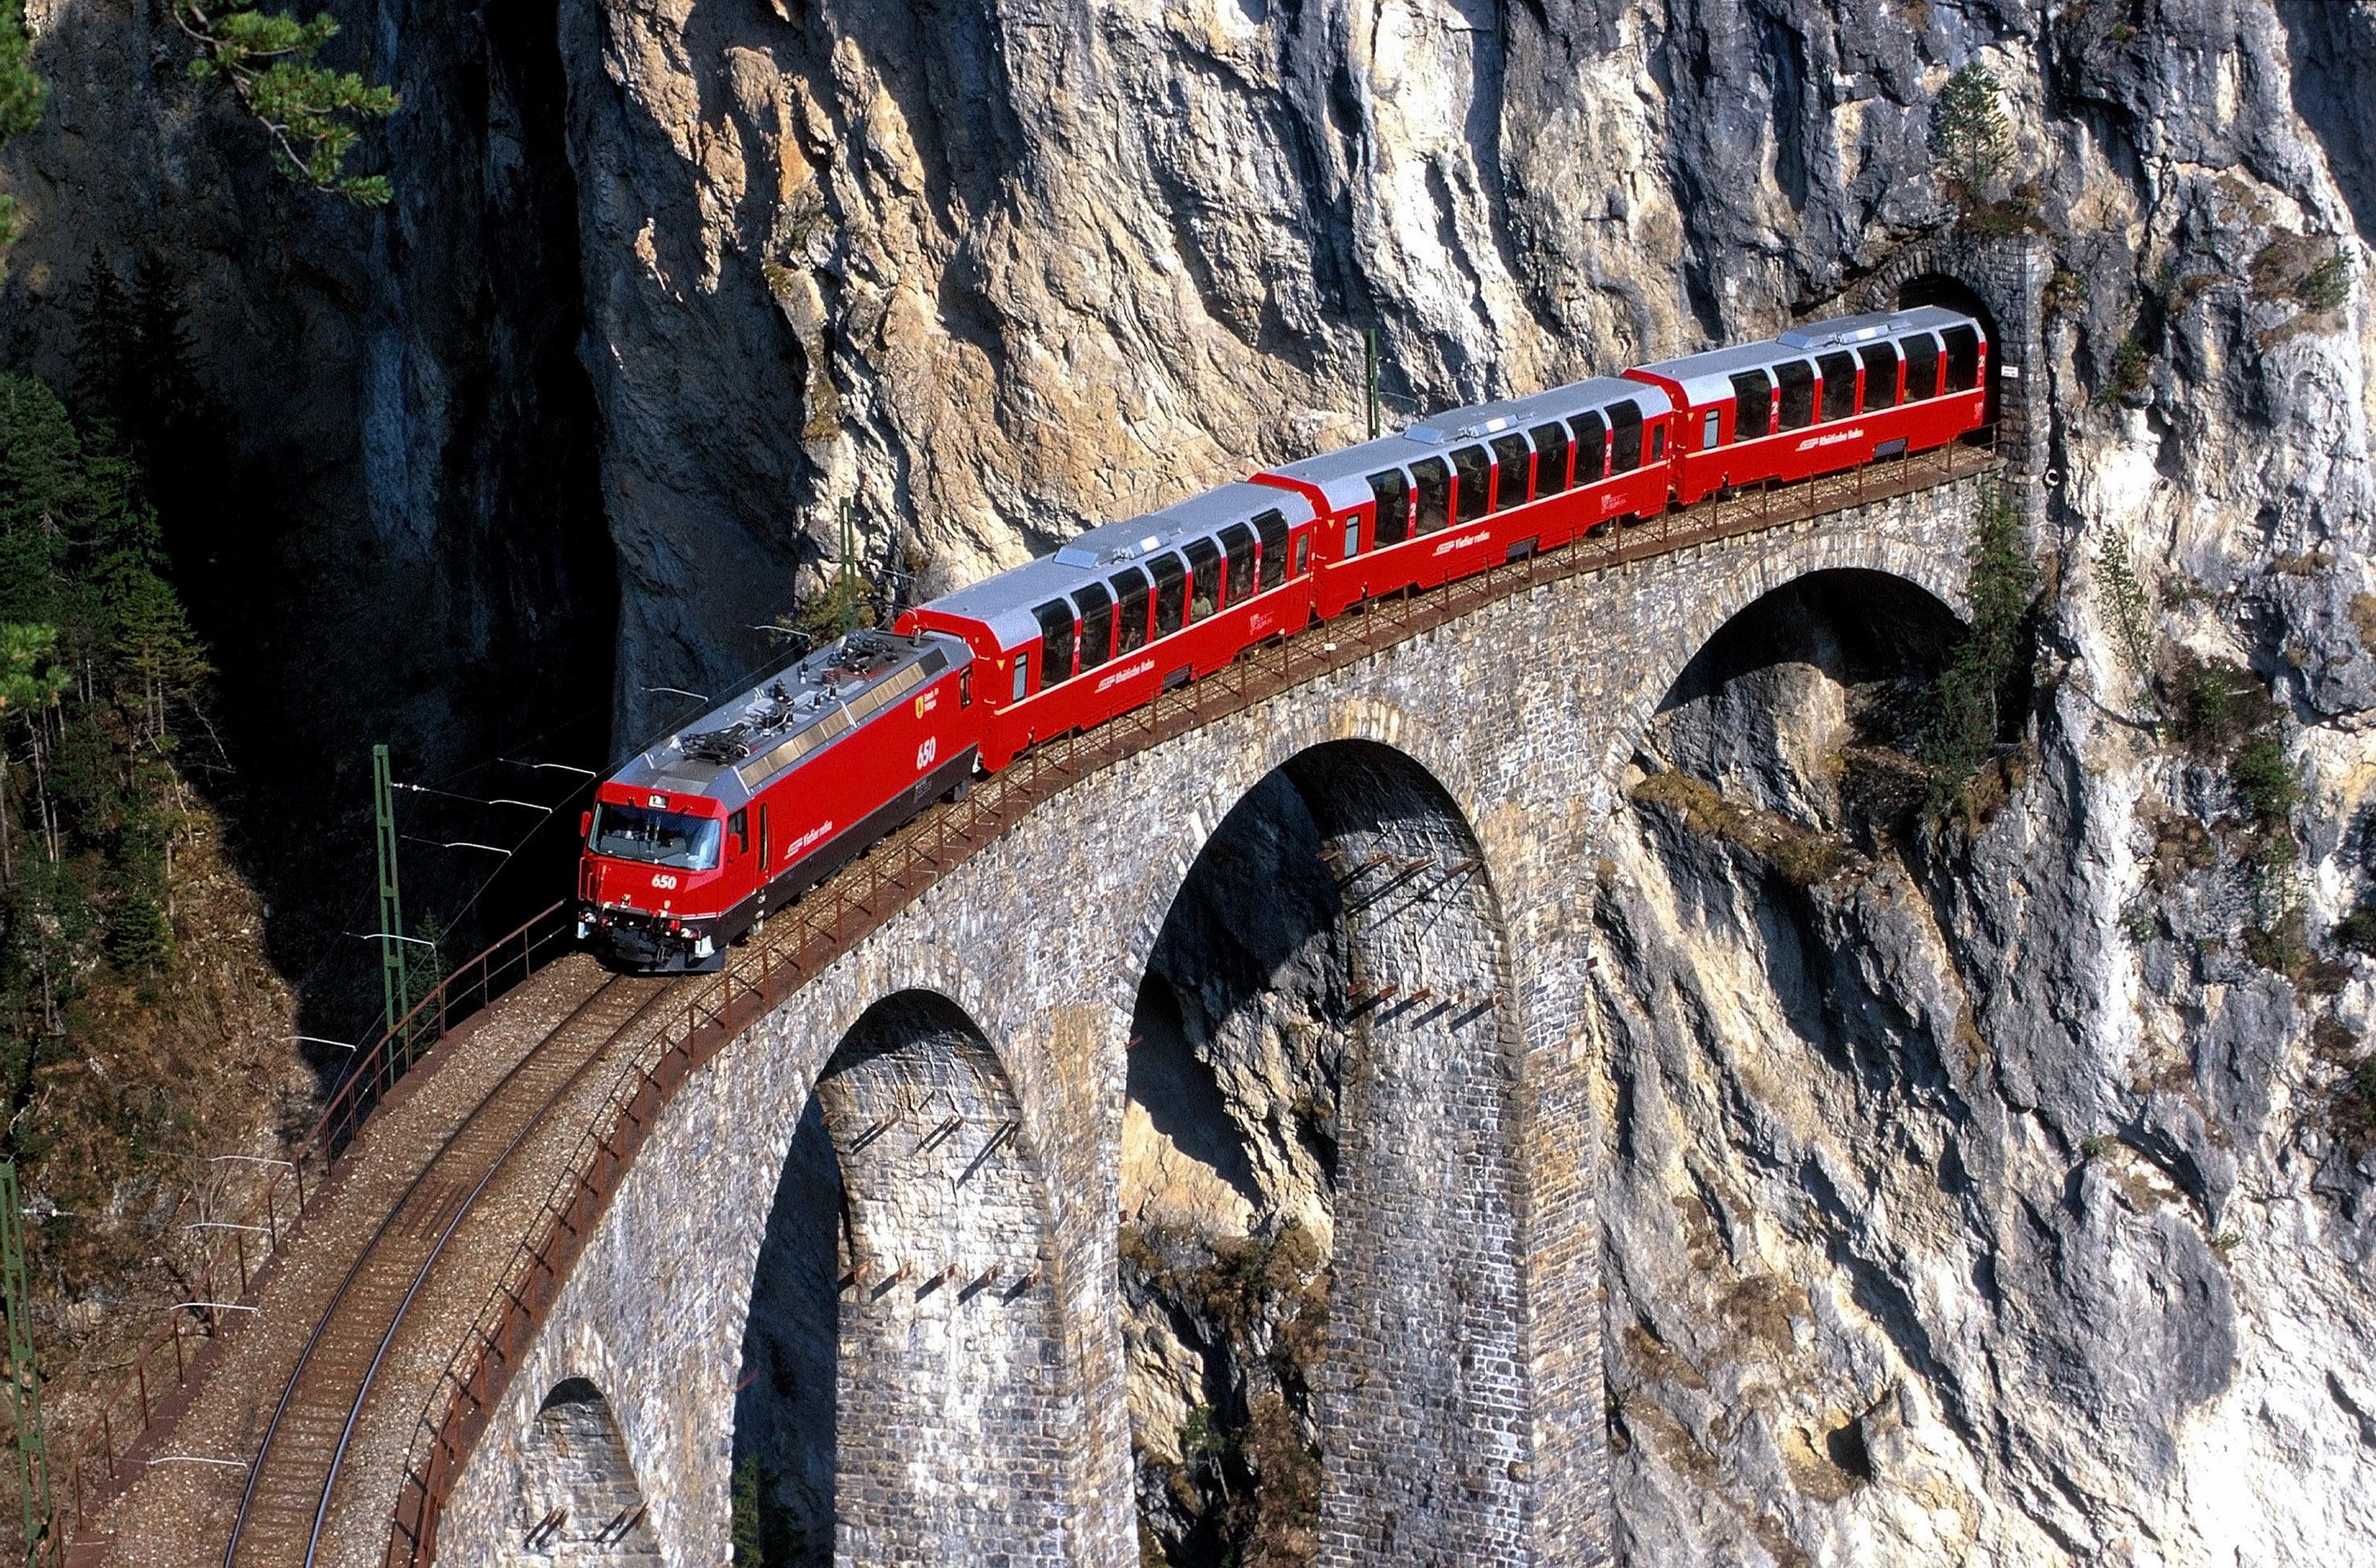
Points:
(1980, 1190)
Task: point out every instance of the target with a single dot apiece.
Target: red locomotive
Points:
(741, 811)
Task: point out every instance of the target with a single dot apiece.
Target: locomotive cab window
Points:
(1130, 611)
(1624, 438)
(1963, 358)
(1204, 588)
(1797, 394)
(1434, 498)
(1271, 529)
(1171, 594)
(1055, 643)
(1476, 472)
(1922, 368)
(654, 838)
(1591, 447)
(1238, 544)
(738, 827)
(1511, 459)
(1550, 458)
(1752, 406)
(1839, 386)
(1097, 626)
(1880, 376)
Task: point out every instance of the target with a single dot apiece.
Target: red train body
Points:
(696, 838)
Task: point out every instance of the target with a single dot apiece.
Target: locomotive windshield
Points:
(661, 838)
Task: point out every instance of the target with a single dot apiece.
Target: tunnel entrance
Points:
(1318, 1250)
(896, 1400)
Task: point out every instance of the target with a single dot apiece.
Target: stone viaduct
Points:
(969, 1061)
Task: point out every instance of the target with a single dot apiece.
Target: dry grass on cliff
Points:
(1800, 855)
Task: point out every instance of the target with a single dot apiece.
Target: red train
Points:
(755, 802)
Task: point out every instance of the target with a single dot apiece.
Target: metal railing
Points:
(800, 941)
(152, 1392)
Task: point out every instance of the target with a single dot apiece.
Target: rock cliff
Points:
(1989, 1192)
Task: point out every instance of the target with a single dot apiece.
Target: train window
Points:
(1353, 537)
(1711, 431)
(1963, 358)
(1839, 386)
(1434, 498)
(1055, 643)
(1391, 490)
(1022, 677)
(1304, 549)
(1797, 394)
(1476, 472)
(1624, 438)
(1752, 405)
(965, 687)
(1880, 376)
(1205, 566)
(1922, 368)
(1591, 447)
(1273, 530)
(1550, 458)
(1238, 544)
(1513, 463)
(739, 824)
(1097, 625)
(1171, 594)
(1657, 442)
(1130, 613)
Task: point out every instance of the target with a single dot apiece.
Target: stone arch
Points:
(580, 1503)
(895, 1402)
(1792, 1057)
(1320, 1176)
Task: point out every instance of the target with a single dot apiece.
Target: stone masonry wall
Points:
(1521, 713)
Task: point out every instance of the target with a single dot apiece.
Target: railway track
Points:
(296, 1465)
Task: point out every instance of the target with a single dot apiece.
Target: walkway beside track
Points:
(418, 1411)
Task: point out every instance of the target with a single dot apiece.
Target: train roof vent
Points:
(1437, 435)
(1847, 330)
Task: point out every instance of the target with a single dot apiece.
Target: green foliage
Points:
(2327, 285)
(2357, 930)
(845, 605)
(1972, 699)
(2265, 778)
(2126, 608)
(2131, 369)
(97, 665)
(745, 1539)
(1974, 141)
(313, 113)
(22, 94)
(2354, 1112)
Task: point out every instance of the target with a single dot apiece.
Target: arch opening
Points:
(1318, 1250)
(1793, 1053)
(896, 1400)
(580, 1504)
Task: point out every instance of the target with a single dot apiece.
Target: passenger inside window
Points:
(1130, 611)
(1798, 381)
(1434, 489)
(1238, 544)
(1512, 460)
(1271, 529)
(1097, 626)
(1839, 386)
(1624, 438)
(1205, 586)
(1055, 643)
(1752, 406)
(1922, 368)
(1171, 594)
(1880, 376)
(1476, 472)
(1550, 458)
(1591, 447)
(1391, 490)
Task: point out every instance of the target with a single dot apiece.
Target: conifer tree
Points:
(1975, 142)
(313, 113)
(21, 97)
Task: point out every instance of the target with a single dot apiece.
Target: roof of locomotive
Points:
(1343, 476)
(734, 749)
(1706, 377)
(1004, 601)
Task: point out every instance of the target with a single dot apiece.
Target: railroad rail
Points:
(798, 942)
(296, 1467)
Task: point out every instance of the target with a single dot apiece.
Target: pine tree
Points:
(1974, 139)
(22, 94)
(312, 114)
